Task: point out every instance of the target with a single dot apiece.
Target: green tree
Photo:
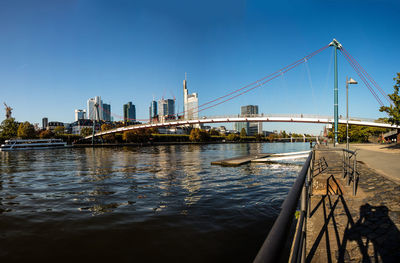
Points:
(26, 131)
(243, 133)
(86, 131)
(394, 110)
(59, 129)
(8, 129)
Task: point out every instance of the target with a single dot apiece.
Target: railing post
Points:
(354, 174)
(344, 164)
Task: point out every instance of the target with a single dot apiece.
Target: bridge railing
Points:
(274, 244)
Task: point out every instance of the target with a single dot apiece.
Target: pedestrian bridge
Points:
(296, 118)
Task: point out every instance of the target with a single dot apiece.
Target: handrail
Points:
(273, 245)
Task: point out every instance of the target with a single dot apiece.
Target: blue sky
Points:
(54, 55)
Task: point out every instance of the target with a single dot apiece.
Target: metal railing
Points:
(274, 244)
(350, 168)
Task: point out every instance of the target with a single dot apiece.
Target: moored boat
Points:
(19, 144)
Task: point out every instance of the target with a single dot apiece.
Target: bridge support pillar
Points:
(337, 46)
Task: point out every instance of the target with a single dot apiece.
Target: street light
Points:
(348, 81)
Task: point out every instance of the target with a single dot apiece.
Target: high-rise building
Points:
(80, 115)
(106, 112)
(252, 128)
(248, 110)
(153, 112)
(129, 112)
(190, 103)
(92, 112)
(166, 109)
(45, 123)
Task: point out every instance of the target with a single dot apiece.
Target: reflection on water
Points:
(157, 203)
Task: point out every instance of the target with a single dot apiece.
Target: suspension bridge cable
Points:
(243, 92)
(369, 77)
(279, 72)
(271, 77)
(363, 78)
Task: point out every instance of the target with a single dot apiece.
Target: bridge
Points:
(192, 119)
(295, 118)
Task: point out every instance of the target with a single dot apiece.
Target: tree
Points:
(272, 137)
(46, 134)
(233, 137)
(9, 129)
(59, 129)
(86, 131)
(130, 136)
(108, 137)
(259, 137)
(26, 130)
(243, 132)
(198, 135)
(394, 110)
(214, 132)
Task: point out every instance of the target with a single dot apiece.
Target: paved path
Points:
(347, 228)
(381, 158)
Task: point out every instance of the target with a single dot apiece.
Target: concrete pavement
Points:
(385, 159)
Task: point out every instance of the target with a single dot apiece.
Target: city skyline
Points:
(52, 50)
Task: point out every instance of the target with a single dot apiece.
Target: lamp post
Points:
(348, 81)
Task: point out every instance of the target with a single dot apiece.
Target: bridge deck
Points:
(347, 228)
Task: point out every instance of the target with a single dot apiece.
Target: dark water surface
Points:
(150, 204)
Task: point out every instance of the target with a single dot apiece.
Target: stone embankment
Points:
(347, 228)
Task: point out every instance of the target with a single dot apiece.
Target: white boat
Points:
(19, 144)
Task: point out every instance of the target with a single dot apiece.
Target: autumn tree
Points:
(46, 134)
(233, 137)
(26, 131)
(198, 135)
(86, 131)
(130, 136)
(243, 132)
(108, 137)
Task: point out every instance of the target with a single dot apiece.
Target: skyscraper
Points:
(91, 109)
(166, 109)
(248, 110)
(129, 112)
(45, 123)
(153, 112)
(80, 115)
(190, 103)
(106, 112)
(252, 128)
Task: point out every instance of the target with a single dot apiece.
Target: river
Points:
(140, 204)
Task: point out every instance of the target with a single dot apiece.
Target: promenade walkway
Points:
(347, 228)
(385, 159)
